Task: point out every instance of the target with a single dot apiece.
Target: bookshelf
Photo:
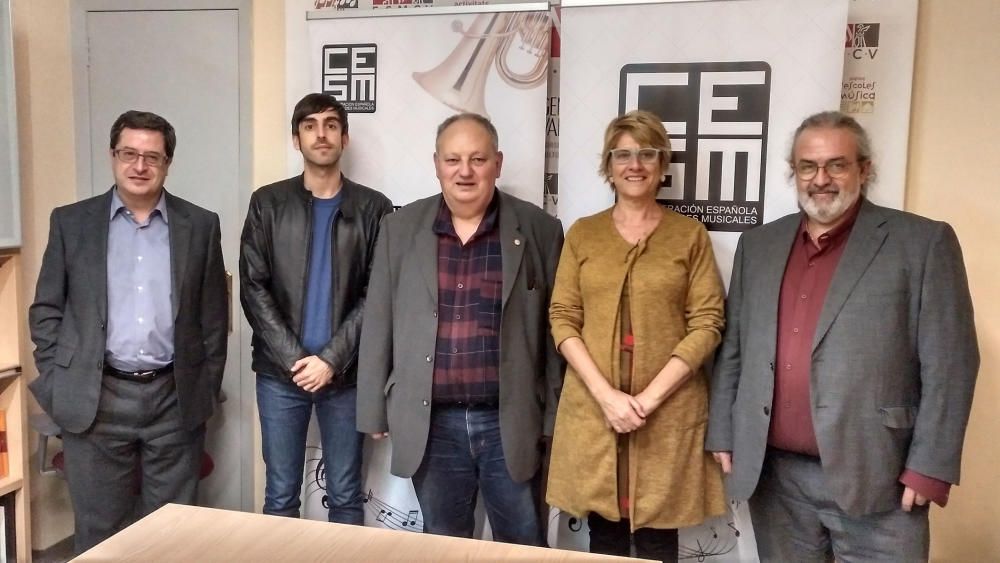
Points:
(13, 403)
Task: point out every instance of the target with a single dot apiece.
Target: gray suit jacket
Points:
(894, 359)
(398, 335)
(69, 314)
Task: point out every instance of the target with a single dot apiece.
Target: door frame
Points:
(82, 127)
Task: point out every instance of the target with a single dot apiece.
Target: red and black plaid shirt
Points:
(470, 293)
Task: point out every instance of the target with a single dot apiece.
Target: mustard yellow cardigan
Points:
(676, 306)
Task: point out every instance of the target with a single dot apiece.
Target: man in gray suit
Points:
(456, 362)
(843, 385)
(129, 324)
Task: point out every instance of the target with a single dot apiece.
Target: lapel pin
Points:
(517, 242)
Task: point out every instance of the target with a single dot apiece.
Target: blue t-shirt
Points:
(316, 322)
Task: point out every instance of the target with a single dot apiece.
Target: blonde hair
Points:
(643, 126)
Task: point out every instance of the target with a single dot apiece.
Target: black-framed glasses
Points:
(645, 155)
(807, 170)
(128, 156)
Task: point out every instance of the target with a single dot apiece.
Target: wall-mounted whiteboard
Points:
(10, 203)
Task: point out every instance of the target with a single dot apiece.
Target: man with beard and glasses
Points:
(305, 257)
(844, 381)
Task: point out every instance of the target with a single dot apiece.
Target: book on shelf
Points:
(4, 456)
(8, 549)
(3, 536)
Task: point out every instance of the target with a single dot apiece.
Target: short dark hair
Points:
(317, 103)
(482, 120)
(134, 119)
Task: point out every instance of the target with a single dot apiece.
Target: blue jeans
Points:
(464, 454)
(284, 421)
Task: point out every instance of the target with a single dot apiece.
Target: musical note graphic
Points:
(317, 483)
(393, 517)
(711, 540)
(715, 540)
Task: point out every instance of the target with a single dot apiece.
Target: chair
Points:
(47, 429)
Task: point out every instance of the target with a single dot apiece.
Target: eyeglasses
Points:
(624, 156)
(128, 156)
(807, 170)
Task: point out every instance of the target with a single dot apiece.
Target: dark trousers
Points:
(285, 410)
(465, 456)
(615, 538)
(795, 519)
(138, 427)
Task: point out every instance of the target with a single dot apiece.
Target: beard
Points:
(827, 212)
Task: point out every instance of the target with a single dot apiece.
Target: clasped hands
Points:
(625, 413)
(311, 373)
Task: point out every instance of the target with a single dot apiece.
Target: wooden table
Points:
(189, 533)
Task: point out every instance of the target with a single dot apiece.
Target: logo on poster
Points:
(349, 75)
(858, 95)
(716, 115)
(336, 4)
(383, 4)
(861, 40)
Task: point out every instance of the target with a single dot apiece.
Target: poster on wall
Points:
(551, 196)
(879, 43)
(400, 73)
(731, 81)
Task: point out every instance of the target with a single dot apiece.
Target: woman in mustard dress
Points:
(637, 308)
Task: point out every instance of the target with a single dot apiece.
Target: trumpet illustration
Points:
(459, 81)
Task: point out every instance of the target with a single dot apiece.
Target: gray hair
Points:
(838, 120)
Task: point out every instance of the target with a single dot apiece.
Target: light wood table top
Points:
(189, 533)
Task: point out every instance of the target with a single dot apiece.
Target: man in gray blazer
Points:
(456, 362)
(129, 324)
(843, 384)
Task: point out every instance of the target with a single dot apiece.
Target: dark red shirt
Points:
(808, 274)
(470, 294)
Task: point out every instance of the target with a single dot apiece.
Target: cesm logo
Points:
(861, 40)
(349, 75)
(716, 115)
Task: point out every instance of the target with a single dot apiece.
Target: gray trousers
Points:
(796, 520)
(135, 458)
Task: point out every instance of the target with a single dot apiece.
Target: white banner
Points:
(740, 63)
(400, 73)
(551, 203)
(731, 80)
(878, 81)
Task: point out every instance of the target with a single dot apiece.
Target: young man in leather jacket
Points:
(305, 258)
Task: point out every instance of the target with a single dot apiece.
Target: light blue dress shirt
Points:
(140, 315)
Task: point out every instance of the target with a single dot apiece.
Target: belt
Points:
(482, 404)
(144, 376)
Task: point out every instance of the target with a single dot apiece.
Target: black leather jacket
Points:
(274, 262)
